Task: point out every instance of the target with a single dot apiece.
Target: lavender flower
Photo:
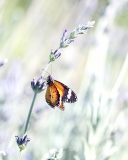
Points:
(38, 86)
(64, 35)
(22, 142)
(64, 42)
(54, 54)
(81, 29)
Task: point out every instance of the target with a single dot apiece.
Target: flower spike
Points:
(38, 86)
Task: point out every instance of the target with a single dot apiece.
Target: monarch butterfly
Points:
(58, 93)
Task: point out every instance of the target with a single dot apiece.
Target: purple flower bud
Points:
(64, 33)
(63, 37)
(39, 79)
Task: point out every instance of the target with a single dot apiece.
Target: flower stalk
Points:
(19, 158)
(30, 111)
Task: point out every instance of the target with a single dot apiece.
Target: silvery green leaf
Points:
(73, 34)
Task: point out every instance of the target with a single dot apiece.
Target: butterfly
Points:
(58, 93)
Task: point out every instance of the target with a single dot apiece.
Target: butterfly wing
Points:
(52, 95)
(57, 93)
(65, 92)
(60, 104)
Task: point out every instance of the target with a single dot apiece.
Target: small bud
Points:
(22, 142)
(54, 55)
(82, 29)
(63, 39)
(90, 24)
(66, 43)
(38, 86)
(64, 33)
(73, 34)
(63, 36)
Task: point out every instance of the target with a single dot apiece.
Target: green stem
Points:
(33, 101)
(30, 111)
(19, 155)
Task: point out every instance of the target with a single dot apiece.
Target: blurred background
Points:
(94, 66)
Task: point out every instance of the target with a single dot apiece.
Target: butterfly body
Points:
(57, 94)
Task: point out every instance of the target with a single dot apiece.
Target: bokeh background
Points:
(94, 66)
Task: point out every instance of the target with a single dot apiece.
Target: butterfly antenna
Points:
(47, 71)
(51, 69)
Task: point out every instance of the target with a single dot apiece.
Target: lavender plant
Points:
(101, 137)
(39, 85)
(98, 130)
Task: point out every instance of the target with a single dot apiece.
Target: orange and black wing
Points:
(65, 92)
(57, 93)
(52, 95)
(60, 104)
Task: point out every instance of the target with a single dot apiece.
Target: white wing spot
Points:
(69, 93)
